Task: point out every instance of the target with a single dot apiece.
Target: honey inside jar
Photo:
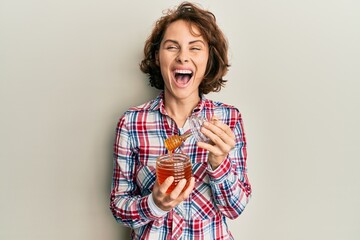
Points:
(177, 165)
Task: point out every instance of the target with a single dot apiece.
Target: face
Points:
(183, 56)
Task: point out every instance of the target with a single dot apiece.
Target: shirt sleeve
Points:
(154, 208)
(229, 182)
(126, 203)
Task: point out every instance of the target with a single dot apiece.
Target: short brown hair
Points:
(217, 65)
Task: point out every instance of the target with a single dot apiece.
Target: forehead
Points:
(181, 29)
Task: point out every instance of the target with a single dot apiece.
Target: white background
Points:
(69, 69)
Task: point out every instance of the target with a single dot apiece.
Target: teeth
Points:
(183, 71)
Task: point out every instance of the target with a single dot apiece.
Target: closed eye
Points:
(172, 47)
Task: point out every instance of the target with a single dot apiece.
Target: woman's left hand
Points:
(222, 141)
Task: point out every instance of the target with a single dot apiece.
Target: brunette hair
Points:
(205, 21)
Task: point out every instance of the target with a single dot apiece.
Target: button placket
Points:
(177, 226)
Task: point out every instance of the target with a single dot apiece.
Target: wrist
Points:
(158, 212)
(215, 163)
(219, 174)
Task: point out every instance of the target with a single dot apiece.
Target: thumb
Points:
(166, 184)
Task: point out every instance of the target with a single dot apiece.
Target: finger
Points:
(177, 190)
(166, 184)
(214, 149)
(219, 138)
(225, 128)
(189, 189)
(215, 118)
(156, 186)
(220, 128)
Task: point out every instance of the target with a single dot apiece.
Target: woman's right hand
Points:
(166, 201)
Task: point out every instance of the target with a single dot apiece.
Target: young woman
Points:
(186, 58)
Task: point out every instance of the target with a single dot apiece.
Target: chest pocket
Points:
(146, 166)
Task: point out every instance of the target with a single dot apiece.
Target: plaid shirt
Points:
(218, 194)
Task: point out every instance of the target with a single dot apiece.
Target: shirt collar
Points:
(158, 104)
(200, 106)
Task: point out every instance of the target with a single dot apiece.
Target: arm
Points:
(227, 167)
(126, 203)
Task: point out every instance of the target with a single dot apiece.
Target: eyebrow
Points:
(191, 42)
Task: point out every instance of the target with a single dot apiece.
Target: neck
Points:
(180, 109)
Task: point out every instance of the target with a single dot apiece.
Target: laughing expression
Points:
(183, 57)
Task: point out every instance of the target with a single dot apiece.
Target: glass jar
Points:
(177, 165)
(195, 123)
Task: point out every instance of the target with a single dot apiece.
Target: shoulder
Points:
(146, 112)
(149, 106)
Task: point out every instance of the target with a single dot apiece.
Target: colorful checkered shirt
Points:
(218, 194)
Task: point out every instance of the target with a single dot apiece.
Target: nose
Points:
(182, 57)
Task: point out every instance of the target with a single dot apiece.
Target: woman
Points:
(186, 58)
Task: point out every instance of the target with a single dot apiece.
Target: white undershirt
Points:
(154, 208)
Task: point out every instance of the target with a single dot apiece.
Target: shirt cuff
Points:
(219, 174)
(158, 212)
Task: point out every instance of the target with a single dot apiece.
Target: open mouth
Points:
(183, 76)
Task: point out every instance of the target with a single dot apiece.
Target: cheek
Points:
(164, 64)
(202, 60)
(165, 72)
(202, 64)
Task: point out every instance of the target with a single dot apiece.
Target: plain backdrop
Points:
(69, 69)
